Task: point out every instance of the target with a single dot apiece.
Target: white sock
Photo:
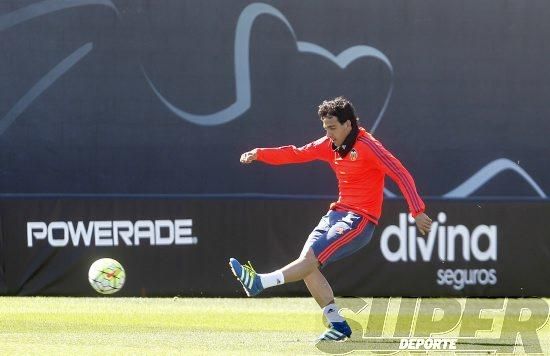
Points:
(272, 279)
(331, 313)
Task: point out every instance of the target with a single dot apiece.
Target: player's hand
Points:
(249, 156)
(424, 223)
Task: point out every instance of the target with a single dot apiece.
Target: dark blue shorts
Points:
(338, 235)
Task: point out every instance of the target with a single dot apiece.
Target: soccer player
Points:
(360, 163)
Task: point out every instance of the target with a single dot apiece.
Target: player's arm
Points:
(319, 149)
(399, 174)
(405, 182)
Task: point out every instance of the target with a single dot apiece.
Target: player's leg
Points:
(319, 288)
(347, 234)
(321, 291)
(253, 283)
(300, 268)
(335, 237)
(339, 234)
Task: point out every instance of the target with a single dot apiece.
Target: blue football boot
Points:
(337, 331)
(247, 276)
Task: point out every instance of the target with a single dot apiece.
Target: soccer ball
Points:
(106, 276)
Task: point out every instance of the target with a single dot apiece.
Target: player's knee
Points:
(310, 258)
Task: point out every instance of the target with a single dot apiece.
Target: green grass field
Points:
(50, 325)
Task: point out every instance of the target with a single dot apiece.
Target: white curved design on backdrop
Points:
(484, 175)
(47, 7)
(342, 60)
(487, 173)
(30, 12)
(242, 81)
(242, 68)
(43, 84)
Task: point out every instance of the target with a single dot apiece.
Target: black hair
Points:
(340, 107)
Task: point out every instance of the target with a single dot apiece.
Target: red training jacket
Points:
(360, 173)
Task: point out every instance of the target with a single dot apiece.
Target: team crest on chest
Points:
(353, 154)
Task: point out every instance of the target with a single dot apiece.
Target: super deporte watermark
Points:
(428, 343)
(442, 325)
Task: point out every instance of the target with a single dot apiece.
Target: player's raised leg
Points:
(253, 282)
(300, 268)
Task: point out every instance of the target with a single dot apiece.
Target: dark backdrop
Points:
(140, 109)
(470, 81)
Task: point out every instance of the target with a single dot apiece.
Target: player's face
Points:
(336, 131)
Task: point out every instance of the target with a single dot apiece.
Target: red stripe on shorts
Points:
(329, 251)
